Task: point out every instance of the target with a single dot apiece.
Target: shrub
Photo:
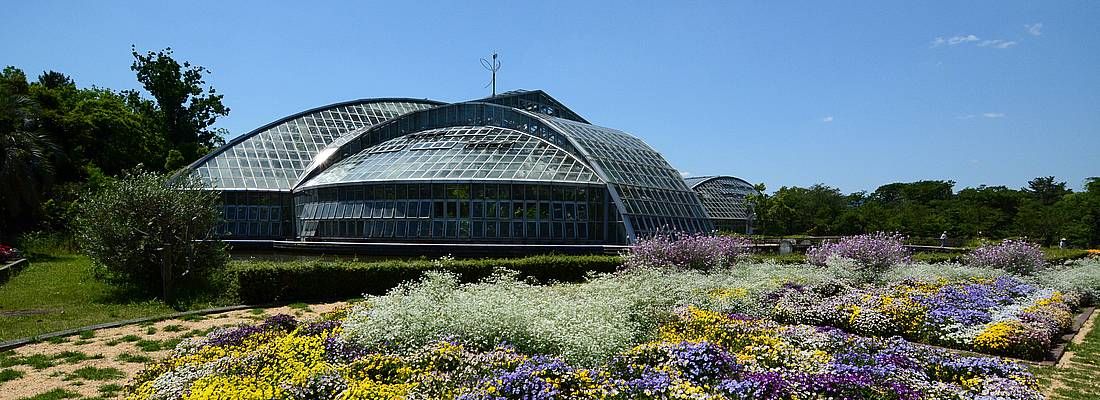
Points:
(133, 226)
(874, 252)
(1015, 256)
(259, 282)
(688, 251)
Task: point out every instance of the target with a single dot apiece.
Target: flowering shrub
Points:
(875, 251)
(8, 253)
(1015, 256)
(687, 251)
(999, 316)
(698, 354)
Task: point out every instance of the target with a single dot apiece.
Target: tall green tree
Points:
(25, 165)
(1046, 189)
(185, 108)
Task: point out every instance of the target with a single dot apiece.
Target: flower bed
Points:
(698, 354)
(1003, 316)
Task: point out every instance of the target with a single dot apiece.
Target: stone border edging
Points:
(1059, 351)
(17, 343)
(10, 269)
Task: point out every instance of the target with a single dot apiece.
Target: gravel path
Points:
(100, 363)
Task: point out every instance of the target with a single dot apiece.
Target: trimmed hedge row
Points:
(259, 282)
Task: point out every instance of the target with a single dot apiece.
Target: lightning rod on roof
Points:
(492, 66)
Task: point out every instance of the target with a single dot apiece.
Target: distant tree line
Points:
(1045, 211)
(58, 140)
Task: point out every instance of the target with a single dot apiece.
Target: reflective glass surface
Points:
(723, 197)
(653, 195)
(534, 101)
(273, 158)
(492, 212)
(459, 153)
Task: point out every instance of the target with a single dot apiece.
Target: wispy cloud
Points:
(827, 119)
(954, 40)
(983, 115)
(965, 39)
(1035, 29)
(685, 174)
(1000, 44)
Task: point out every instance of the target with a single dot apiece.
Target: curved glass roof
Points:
(534, 101)
(459, 153)
(723, 197)
(652, 193)
(273, 156)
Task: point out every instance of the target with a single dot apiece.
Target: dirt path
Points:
(99, 363)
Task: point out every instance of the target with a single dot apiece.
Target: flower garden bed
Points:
(698, 354)
(1001, 316)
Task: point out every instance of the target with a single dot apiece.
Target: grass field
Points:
(1076, 376)
(59, 293)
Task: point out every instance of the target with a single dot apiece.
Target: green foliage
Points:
(1044, 212)
(90, 373)
(8, 374)
(938, 257)
(260, 282)
(55, 394)
(186, 109)
(25, 168)
(135, 226)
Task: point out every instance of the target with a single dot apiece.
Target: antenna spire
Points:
(492, 66)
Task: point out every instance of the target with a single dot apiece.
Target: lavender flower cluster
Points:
(875, 251)
(687, 251)
(1015, 256)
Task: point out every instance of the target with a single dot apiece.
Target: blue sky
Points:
(850, 94)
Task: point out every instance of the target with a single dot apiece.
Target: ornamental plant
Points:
(687, 251)
(147, 229)
(875, 252)
(1015, 256)
(697, 354)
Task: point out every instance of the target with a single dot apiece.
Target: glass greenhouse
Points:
(725, 200)
(519, 168)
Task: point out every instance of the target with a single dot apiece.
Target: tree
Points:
(813, 210)
(185, 109)
(1046, 190)
(25, 167)
(145, 230)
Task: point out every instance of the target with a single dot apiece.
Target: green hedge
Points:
(259, 282)
(1055, 255)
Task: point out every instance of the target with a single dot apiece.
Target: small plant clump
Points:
(688, 251)
(1015, 256)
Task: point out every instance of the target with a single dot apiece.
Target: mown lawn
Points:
(1079, 377)
(59, 293)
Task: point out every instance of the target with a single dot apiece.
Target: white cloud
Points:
(827, 119)
(685, 174)
(993, 115)
(964, 39)
(1035, 29)
(961, 39)
(954, 40)
(997, 43)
